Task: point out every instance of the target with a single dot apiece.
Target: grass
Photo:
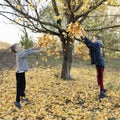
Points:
(55, 99)
(3, 45)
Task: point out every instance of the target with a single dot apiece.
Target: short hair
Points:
(13, 48)
(98, 37)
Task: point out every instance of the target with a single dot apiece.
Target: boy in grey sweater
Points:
(21, 68)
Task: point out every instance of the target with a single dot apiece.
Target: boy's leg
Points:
(18, 90)
(23, 85)
(101, 78)
(100, 71)
(18, 86)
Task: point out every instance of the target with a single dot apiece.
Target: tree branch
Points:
(30, 17)
(117, 15)
(89, 10)
(78, 5)
(113, 49)
(104, 28)
(31, 27)
(56, 11)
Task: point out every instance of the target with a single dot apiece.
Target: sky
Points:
(11, 33)
(8, 32)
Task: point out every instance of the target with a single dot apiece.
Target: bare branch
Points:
(104, 28)
(88, 11)
(32, 26)
(56, 11)
(117, 15)
(77, 5)
(30, 17)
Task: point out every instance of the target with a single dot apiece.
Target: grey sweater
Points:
(21, 59)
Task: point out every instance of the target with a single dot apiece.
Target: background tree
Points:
(25, 41)
(107, 25)
(55, 17)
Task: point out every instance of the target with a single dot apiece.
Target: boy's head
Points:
(96, 38)
(15, 48)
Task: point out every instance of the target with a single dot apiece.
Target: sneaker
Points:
(23, 99)
(104, 90)
(17, 104)
(102, 95)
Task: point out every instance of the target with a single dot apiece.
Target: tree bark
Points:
(67, 61)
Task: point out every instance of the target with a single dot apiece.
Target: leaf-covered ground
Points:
(54, 99)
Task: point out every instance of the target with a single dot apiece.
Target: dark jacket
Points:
(95, 52)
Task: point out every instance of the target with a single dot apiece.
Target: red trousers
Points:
(100, 71)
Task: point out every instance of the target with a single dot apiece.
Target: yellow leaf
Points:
(37, 63)
(19, 7)
(31, 5)
(38, 1)
(58, 17)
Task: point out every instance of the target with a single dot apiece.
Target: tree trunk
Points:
(67, 61)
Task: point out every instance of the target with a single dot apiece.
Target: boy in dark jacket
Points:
(97, 59)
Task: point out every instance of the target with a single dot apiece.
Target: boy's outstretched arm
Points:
(82, 33)
(86, 40)
(39, 48)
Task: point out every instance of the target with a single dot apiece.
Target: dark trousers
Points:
(20, 85)
(100, 71)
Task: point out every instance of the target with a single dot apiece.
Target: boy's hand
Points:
(41, 50)
(37, 47)
(82, 33)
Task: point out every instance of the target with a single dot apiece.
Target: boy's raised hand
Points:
(37, 47)
(41, 50)
(82, 32)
